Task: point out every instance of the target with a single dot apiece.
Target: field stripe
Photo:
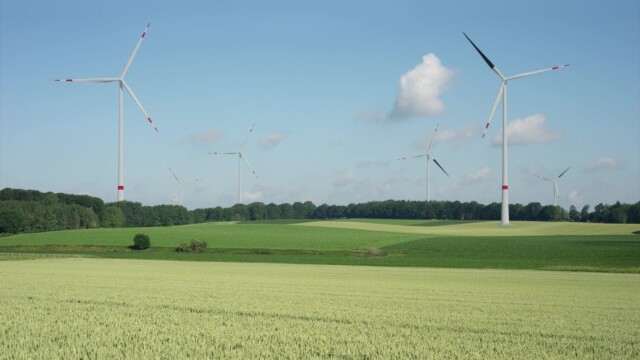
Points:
(517, 228)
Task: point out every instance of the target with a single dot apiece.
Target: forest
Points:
(34, 211)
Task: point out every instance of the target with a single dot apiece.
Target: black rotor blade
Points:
(486, 59)
(559, 176)
(436, 161)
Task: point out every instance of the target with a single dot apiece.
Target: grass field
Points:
(405, 243)
(114, 308)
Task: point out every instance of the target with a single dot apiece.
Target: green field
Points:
(398, 243)
(114, 308)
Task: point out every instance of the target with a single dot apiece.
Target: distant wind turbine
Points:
(241, 158)
(556, 194)
(180, 184)
(429, 158)
(503, 92)
(123, 85)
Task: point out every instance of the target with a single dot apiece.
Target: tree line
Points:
(34, 211)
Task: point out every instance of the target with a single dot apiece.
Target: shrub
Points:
(194, 246)
(141, 242)
(198, 245)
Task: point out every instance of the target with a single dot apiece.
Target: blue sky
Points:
(337, 92)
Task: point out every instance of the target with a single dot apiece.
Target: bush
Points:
(194, 246)
(141, 242)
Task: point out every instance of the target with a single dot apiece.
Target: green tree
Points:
(584, 213)
(574, 215)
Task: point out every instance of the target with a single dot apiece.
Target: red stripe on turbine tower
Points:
(505, 187)
(120, 187)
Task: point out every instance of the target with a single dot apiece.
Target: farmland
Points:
(397, 243)
(107, 308)
(430, 290)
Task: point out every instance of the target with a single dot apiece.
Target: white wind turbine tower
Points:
(556, 194)
(429, 158)
(122, 85)
(180, 182)
(503, 92)
(241, 158)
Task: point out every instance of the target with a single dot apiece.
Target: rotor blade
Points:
(495, 106)
(249, 166)
(96, 80)
(536, 72)
(247, 138)
(138, 103)
(433, 138)
(486, 59)
(541, 177)
(133, 54)
(412, 157)
(559, 176)
(174, 174)
(223, 153)
(437, 163)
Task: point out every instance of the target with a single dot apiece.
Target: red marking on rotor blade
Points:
(555, 68)
(142, 37)
(120, 187)
(150, 122)
(505, 187)
(69, 80)
(486, 126)
(483, 136)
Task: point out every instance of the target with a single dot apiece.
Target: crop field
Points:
(397, 243)
(113, 308)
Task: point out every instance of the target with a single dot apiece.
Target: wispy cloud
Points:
(208, 136)
(343, 180)
(604, 163)
(272, 140)
(477, 176)
(248, 196)
(457, 136)
(575, 198)
(531, 129)
(418, 93)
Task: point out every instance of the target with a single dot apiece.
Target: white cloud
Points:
(604, 163)
(478, 176)
(575, 198)
(420, 88)
(249, 197)
(272, 140)
(418, 93)
(343, 180)
(531, 129)
(457, 136)
(208, 136)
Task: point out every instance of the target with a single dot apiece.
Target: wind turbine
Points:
(241, 158)
(502, 92)
(122, 85)
(179, 184)
(556, 195)
(429, 158)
